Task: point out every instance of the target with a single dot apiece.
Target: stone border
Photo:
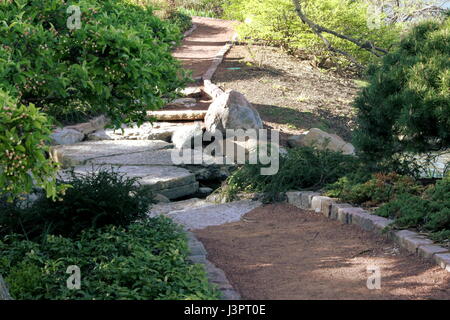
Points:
(215, 275)
(189, 32)
(219, 58)
(413, 242)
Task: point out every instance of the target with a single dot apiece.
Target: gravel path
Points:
(282, 252)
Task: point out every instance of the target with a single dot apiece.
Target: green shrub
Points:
(24, 132)
(204, 8)
(118, 63)
(180, 19)
(94, 200)
(276, 21)
(429, 212)
(146, 261)
(381, 188)
(302, 168)
(406, 107)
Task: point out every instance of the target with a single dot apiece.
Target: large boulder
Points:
(321, 140)
(231, 110)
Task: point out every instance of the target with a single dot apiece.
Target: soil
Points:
(291, 95)
(281, 252)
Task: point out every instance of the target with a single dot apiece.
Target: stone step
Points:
(208, 214)
(86, 152)
(178, 115)
(172, 182)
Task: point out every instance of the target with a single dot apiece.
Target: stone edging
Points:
(215, 275)
(218, 59)
(189, 32)
(411, 241)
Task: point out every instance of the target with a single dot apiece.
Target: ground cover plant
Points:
(301, 169)
(100, 225)
(146, 260)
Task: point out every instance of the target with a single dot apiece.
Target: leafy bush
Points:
(180, 19)
(276, 21)
(429, 212)
(94, 200)
(406, 107)
(145, 261)
(118, 63)
(380, 189)
(302, 168)
(24, 132)
(204, 8)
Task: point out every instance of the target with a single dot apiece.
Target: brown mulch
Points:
(290, 94)
(281, 252)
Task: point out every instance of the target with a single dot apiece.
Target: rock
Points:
(213, 215)
(89, 151)
(178, 115)
(166, 208)
(159, 198)
(192, 92)
(321, 140)
(184, 137)
(63, 136)
(95, 124)
(171, 182)
(98, 136)
(205, 190)
(231, 110)
(183, 102)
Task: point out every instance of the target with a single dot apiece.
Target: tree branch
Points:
(319, 30)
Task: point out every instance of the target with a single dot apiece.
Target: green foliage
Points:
(302, 168)
(180, 19)
(429, 212)
(94, 200)
(406, 107)
(202, 8)
(276, 21)
(381, 188)
(118, 63)
(24, 132)
(146, 261)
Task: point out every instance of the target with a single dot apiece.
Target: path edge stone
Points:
(411, 241)
(198, 254)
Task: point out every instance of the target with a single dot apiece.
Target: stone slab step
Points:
(177, 115)
(213, 215)
(84, 152)
(172, 182)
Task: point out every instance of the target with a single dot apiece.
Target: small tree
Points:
(406, 107)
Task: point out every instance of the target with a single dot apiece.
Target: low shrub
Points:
(181, 20)
(429, 212)
(94, 200)
(302, 168)
(147, 261)
(381, 188)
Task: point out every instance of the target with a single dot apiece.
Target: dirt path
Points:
(198, 50)
(281, 252)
